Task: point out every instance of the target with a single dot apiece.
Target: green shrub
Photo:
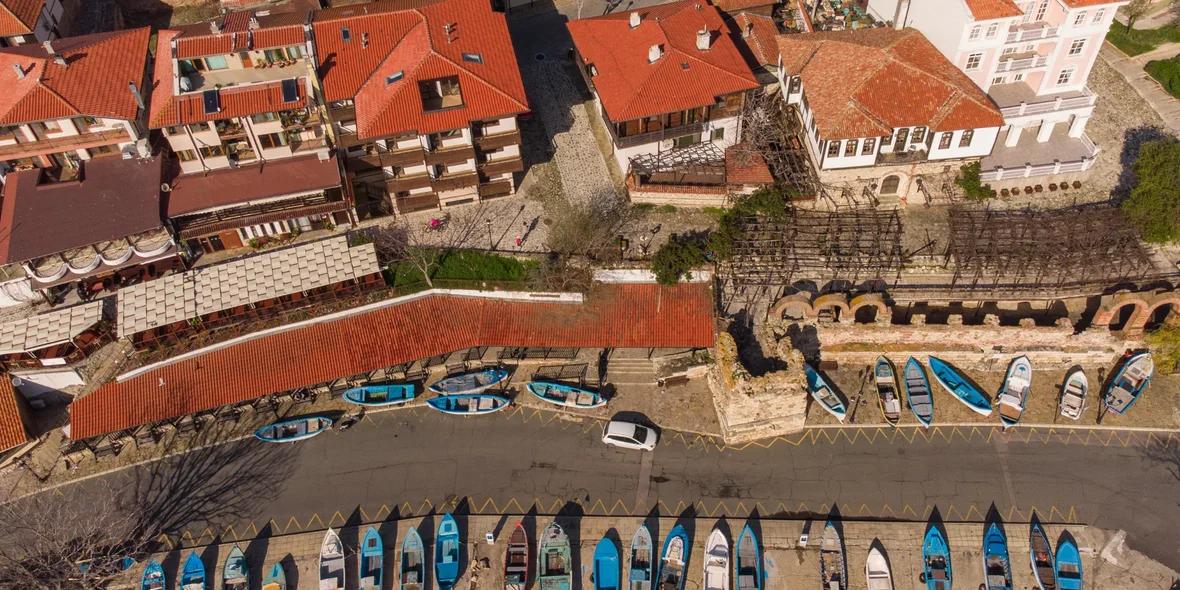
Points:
(1154, 204)
(1167, 73)
(1138, 41)
(667, 208)
(1165, 347)
(968, 180)
(676, 258)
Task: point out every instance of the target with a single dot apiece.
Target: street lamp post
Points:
(489, 225)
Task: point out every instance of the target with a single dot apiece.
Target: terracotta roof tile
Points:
(19, 17)
(745, 166)
(684, 77)
(617, 316)
(866, 82)
(386, 38)
(993, 9)
(240, 101)
(1089, 3)
(93, 83)
(12, 427)
(732, 6)
(275, 178)
(760, 39)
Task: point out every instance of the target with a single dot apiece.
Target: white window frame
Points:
(998, 80)
(1076, 48)
(974, 34)
(1028, 11)
(978, 61)
(1080, 19)
(1098, 16)
(1008, 51)
(1067, 73)
(992, 29)
(1018, 77)
(1041, 10)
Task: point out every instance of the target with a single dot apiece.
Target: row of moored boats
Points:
(1127, 386)
(461, 395)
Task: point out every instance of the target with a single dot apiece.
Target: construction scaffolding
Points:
(853, 245)
(1043, 250)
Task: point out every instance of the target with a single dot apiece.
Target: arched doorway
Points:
(890, 184)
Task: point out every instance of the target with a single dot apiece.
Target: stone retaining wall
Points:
(751, 408)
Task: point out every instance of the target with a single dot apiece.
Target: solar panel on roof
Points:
(212, 101)
(290, 90)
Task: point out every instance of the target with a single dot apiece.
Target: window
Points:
(174, 130)
(1076, 47)
(394, 77)
(49, 126)
(186, 155)
(85, 123)
(974, 33)
(272, 140)
(202, 126)
(868, 147)
(103, 150)
(687, 140)
(216, 62)
(1064, 77)
(1030, 47)
(1080, 19)
(918, 135)
(944, 142)
(965, 140)
(833, 149)
(264, 117)
(345, 34)
(973, 61)
(998, 80)
(991, 30)
(850, 148)
(441, 93)
(1028, 8)
(1017, 77)
(1098, 16)
(1008, 51)
(188, 66)
(212, 151)
(1041, 10)
(719, 134)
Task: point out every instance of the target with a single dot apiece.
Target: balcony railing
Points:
(653, 136)
(60, 144)
(1057, 167)
(902, 157)
(1043, 32)
(450, 155)
(1088, 98)
(494, 167)
(1028, 63)
(374, 161)
(498, 140)
(405, 183)
(499, 188)
(450, 183)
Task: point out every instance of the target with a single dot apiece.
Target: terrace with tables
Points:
(839, 15)
(60, 337)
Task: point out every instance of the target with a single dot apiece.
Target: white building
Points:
(1033, 58)
(666, 78)
(883, 107)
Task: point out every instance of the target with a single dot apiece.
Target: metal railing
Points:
(1028, 63)
(1088, 98)
(1044, 32)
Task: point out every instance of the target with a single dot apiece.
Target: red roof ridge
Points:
(474, 75)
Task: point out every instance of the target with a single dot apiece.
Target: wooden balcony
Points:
(499, 188)
(62, 144)
(339, 114)
(349, 139)
(494, 167)
(654, 136)
(450, 183)
(420, 202)
(499, 140)
(450, 155)
(371, 162)
(405, 183)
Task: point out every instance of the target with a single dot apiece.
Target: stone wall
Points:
(751, 408)
(680, 196)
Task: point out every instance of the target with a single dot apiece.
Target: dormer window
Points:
(394, 77)
(345, 34)
(475, 58)
(440, 93)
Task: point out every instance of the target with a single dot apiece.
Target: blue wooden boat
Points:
(748, 565)
(122, 564)
(917, 390)
(468, 404)
(446, 553)
(1129, 384)
(823, 393)
(554, 567)
(958, 386)
(833, 565)
(372, 560)
(566, 395)
(235, 575)
(293, 430)
(412, 571)
(153, 577)
(1069, 564)
(1013, 395)
(641, 565)
(997, 567)
(888, 393)
(276, 579)
(192, 575)
(936, 558)
(468, 383)
(673, 560)
(380, 395)
(606, 565)
(1041, 554)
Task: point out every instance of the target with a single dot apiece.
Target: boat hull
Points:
(956, 384)
(917, 391)
(235, 574)
(446, 553)
(192, 576)
(380, 395)
(1040, 554)
(888, 392)
(1018, 383)
(641, 564)
(823, 393)
(833, 564)
(936, 561)
(606, 565)
(668, 566)
(554, 567)
(371, 562)
(1069, 564)
(747, 565)
(412, 567)
(877, 569)
(565, 395)
(717, 561)
(997, 566)
(469, 383)
(516, 560)
(276, 579)
(457, 405)
(293, 430)
(1073, 395)
(153, 577)
(1120, 404)
(331, 562)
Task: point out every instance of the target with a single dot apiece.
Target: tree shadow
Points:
(256, 551)
(1133, 140)
(569, 517)
(1165, 454)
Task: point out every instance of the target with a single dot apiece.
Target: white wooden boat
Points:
(877, 573)
(1073, 395)
(717, 561)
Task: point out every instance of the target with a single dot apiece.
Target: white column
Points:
(1013, 136)
(1046, 131)
(1077, 126)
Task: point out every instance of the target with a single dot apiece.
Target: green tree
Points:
(1165, 346)
(1135, 9)
(1154, 204)
(676, 258)
(968, 180)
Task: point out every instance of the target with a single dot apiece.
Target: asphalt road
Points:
(415, 461)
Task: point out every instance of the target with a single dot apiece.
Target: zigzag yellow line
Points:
(315, 517)
(167, 541)
(212, 537)
(229, 529)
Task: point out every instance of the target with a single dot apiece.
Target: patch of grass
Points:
(464, 265)
(643, 207)
(714, 211)
(1140, 41)
(667, 208)
(1167, 73)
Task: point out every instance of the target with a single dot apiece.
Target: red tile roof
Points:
(94, 81)
(993, 9)
(866, 82)
(616, 316)
(760, 38)
(235, 34)
(18, 17)
(388, 37)
(745, 166)
(275, 178)
(732, 6)
(12, 426)
(1088, 3)
(684, 77)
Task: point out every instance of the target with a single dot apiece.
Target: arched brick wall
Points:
(836, 300)
(798, 304)
(1110, 308)
(873, 300)
(1143, 313)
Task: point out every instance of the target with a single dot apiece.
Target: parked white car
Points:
(629, 435)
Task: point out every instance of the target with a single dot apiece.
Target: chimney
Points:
(49, 48)
(136, 94)
(901, 14)
(704, 39)
(213, 28)
(20, 72)
(749, 30)
(654, 54)
(635, 19)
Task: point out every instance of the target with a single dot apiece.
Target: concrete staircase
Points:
(630, 371)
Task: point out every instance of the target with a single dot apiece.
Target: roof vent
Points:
(635, 19)
(20, 73)
(698, 7)
(684, 65)
(654, 53)
(704, 39)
